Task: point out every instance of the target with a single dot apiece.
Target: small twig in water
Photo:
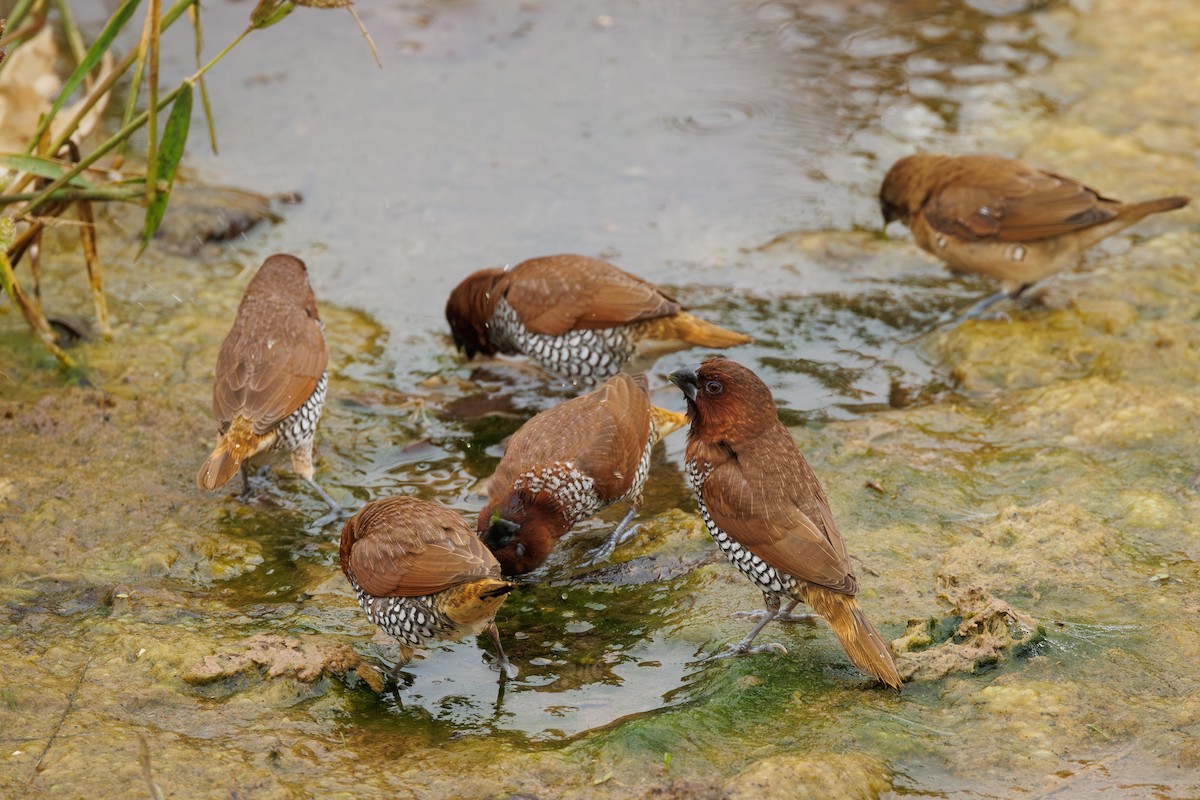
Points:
(156, 793)
(37, 768)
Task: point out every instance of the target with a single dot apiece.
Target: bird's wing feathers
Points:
(557, 294)
(410, 549)
(781, 515)
(269, 365)
(1014, 204)
(603, 433)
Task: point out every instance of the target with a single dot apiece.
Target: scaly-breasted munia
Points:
(567, 464)
(421, 573)
(1002, 218)
(269, 386)
(581, 319)
(765, 508)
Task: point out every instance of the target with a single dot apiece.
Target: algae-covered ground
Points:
(1022, 516)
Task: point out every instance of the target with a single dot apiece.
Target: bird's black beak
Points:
(688, 381)
(500, 533)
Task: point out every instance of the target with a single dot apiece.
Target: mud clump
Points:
(978, 631)
(303, 658)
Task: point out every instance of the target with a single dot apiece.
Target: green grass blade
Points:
(173, 140)
(42, 167)
(95, 52)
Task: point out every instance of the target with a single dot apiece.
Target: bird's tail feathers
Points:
(700, 333)
(862, 643)
(1145, 208)
(475, 602)
(237, 444)
(666, 422)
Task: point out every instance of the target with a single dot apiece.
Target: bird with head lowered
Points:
(1000, 217)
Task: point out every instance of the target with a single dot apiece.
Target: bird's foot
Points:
(992, 316)
(328, 518)
(603, 552)
(781, 617)
(741, 649)
(506, 668)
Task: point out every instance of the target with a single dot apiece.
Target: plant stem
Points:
(153, 12)
(31, 311)
(44, 196)
(100, 193)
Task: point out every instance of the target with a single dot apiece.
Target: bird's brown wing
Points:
(603, 432)
(269, 364)
(402, 547)
(556, 294)
(1007, 201)
(765, 511)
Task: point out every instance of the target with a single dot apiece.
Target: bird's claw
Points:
(328, 518)
(507, 669)
(740, 650)
(602, 553)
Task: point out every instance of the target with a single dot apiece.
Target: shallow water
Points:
(733, 153)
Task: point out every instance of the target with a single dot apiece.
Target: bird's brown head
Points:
(726, 402)
(519, 533)
(907, 186)
(469, 311)
(283, 279)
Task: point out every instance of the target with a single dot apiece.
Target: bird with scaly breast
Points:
(420, 573)
(1000, 217)
(271, 376)
(568, 463)
(581, 319)
(764, 507)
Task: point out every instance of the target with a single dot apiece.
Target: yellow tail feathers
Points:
(666, 422)
(668, 334)
(474, 604)
(862, 643)
(699, 333)
(237, 444)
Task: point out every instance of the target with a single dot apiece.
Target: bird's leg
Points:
(334, 508)
(785, 615)
(396, 672)
(743, 647)
(619, 536)
(302, 465)
(245, 471)
(506, 668)
(976, 311)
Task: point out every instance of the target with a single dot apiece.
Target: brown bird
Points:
(583, 320)
(1002, 218)
(765, 509)
(567, 464)
(271, 376)
(421, 573)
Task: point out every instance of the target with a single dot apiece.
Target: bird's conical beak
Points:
(688, 381)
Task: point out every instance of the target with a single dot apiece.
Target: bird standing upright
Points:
(421, 573)
(271, 375)
(567, 464)
(582, 319)
(1002, 218)
(765, 508)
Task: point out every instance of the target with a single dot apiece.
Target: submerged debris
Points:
(304, 658)
(977, 631)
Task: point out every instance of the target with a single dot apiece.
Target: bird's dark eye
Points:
(713, 387)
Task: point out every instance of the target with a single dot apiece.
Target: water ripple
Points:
(722, 115)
